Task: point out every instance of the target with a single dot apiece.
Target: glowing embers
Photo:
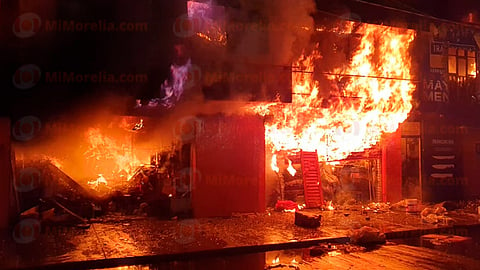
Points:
(206, 21)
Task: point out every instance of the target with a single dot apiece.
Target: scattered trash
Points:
(401, 205)
(451, 205)
(367, 236)
(307, 220)
(30, 213)
(142, 210)
(448, 243)
(412, 205)
(379, 206)
(83, 226)
(286, 205)
(433, 215)
(329, 249)
(430, 218)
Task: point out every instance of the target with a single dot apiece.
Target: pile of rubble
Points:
(45, 193)
(54, 197)
(367, 236)
(330, 249)
(435, 214)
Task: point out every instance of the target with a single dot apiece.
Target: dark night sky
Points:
(124, 52)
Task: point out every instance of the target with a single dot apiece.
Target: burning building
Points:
(302, 108)
(264, 125)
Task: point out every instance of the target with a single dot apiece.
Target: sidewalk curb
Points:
(162, 258)
(232, 251)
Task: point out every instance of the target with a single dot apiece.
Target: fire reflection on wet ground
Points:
(127, 236)
(334, 256)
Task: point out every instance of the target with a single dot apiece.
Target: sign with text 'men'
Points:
(435, 89)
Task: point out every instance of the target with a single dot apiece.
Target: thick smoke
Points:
(284, 28)
(287, 44)
(263, 38)
(275, 31)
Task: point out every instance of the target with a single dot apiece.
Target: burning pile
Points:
(368, 97)
(108, 153)
(112, 156)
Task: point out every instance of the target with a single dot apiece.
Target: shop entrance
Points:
(411, 168)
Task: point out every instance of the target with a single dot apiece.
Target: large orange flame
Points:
(113, 158)
(290, 168)
(274, 164)
(374, 100)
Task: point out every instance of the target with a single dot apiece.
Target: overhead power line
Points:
(419, 14)
(358, 76)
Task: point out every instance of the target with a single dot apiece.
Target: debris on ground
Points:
(379, 206)
(307, 220)
(472, 207)
(55, 199)
(286, 205)
(447, 243)
(142, 209)
(334, 249)
(276, 265)
(30, 213)
(433, 214)
(450, 205)
(367, 236)
(401, 205)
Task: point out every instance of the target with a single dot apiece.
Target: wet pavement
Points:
(128, 236)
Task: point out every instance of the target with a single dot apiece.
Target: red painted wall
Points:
(5, 172)
(392, 167)
(229, 164)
